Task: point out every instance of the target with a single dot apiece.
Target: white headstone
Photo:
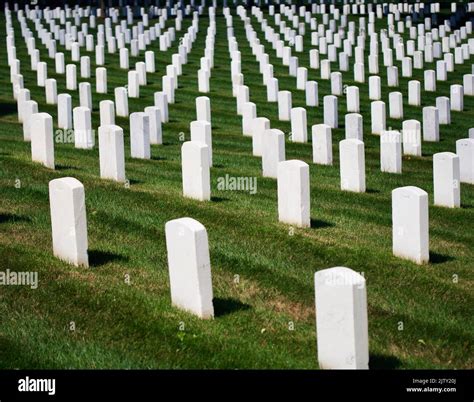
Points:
(354, 126)
(201, 131)
(195, 170)
(111, 153)
(42, 139)
(121, 101)
(30, 107)
(375, 92)
(443, 103)
(330, 111)
(133, 84)
(101, 80)
(341, 319)
(465, 151)
(430, 124)
(322, 144)
(284, 105)
(51, 91)
(391, 152)
(414, 93)
(107, 112)
(299, 129)
(154, 116)
(411, 132)
(85, 95)
(457, 98)
(312, 98)
(293, 193)
(83, 134)
(189, 266)
(249, 112)
(161, 102)
(203, 108)
(410, 232)
(395, 100)
(352, 99)
(352, 165)
(446, 180)
(68, 220)
(378, 117)
(258, 127)
(273, 152)
(140, 135)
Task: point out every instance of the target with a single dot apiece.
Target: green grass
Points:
(134, 326)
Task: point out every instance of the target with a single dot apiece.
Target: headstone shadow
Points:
(437, 258)
(9, 218)
(219, 199)
(98, 258)
(225, 306)
(65, 167)
(320, 224)
(378, 361)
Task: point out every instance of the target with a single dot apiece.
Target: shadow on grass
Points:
(9, 218)
(384, 362)
(436, 258)
(219, 199)
(98, 258)
(320, 224)
(65, 167)
(228, 306)
(158, 158)
(7, 109)
(372, 191)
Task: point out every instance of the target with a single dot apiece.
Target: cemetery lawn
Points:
(419, 316)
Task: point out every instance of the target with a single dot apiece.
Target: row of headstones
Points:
(443, 66)
(136, 78)
(83, 116)
(431, 128)
(190, 269)
(311, 88)
(324, 38)
(270, 144)
(46, 39)
(319, 30)
(138, 37)
(352, 92)
(190, 276)
(145, 129)
(391, 10)
(71, 76)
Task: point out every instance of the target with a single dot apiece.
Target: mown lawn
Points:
(262, 270)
